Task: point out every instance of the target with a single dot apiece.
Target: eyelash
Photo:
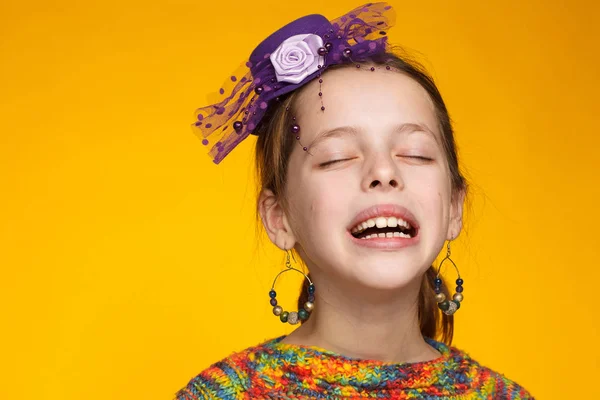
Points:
(419, 158)
(328, 163)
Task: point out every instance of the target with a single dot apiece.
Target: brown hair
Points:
(275, 144)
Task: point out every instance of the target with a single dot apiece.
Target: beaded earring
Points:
(292, 317)
(448, 307)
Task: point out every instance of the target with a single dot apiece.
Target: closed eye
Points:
(328, 163)
(418, 158)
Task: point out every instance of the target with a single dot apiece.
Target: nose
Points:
(383, 174)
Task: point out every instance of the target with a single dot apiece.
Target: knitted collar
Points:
(346, 375)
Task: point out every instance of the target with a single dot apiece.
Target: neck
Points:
(373, 324)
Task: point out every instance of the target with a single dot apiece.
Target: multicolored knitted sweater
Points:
(275, 370)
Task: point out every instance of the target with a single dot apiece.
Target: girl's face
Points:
(375, 158)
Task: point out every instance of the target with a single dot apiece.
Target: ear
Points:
(456, 214)
(275, 221)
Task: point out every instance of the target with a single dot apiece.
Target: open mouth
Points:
(383, 227)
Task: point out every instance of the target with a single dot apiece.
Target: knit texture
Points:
(275, 370)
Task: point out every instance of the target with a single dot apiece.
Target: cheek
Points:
(432, 190)
(318, 204)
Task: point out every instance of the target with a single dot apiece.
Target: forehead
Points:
(369, 100)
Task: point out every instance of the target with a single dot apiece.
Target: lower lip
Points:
(392, 243)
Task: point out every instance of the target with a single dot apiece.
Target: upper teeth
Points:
(380, 222)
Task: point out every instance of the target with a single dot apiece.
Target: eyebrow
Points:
(352, 130)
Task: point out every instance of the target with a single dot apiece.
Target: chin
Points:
(387, 276)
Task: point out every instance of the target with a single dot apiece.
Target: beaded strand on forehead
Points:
(295, 128)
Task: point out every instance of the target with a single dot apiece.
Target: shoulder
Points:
(485, 380)
(229, 378)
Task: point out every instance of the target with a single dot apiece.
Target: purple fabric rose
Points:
(296, 58)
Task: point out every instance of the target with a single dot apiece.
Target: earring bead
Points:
(302, 314)
(284, 316)
(293, 318)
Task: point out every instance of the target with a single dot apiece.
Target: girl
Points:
(359, 177)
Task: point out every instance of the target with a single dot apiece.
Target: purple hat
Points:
(286, 60)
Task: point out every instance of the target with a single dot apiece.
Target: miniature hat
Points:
(286, 60)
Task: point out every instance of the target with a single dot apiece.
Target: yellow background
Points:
(130, 261)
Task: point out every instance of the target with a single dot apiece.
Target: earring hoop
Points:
(302, 314)
(448, 307)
